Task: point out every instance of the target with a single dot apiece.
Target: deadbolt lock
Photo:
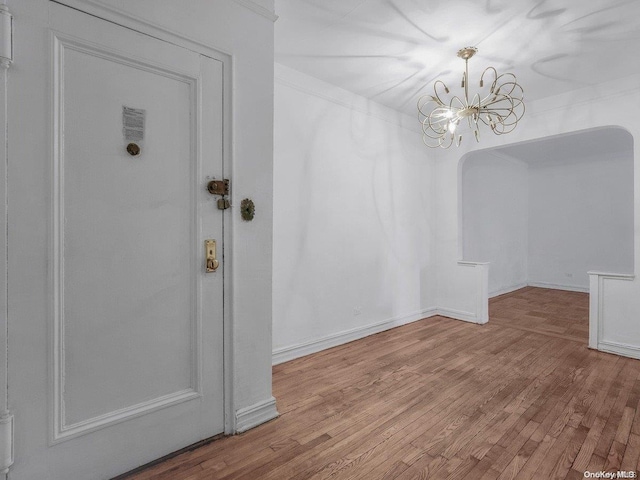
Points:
(218, 187)
(211, 262)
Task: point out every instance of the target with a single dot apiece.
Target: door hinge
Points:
(6, 442)
(6, 37)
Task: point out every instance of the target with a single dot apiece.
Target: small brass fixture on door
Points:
(212, 263)
(218, 187)
(223, 203)
(247, 209)
(133, 149)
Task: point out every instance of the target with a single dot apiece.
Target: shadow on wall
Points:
(545, 212)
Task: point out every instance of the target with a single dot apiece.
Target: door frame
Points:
(6, 419)
(161, 33)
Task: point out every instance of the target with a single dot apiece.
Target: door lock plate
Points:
(211, 263)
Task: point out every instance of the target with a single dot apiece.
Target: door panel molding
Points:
(166, 34)
(60, 429)
(67, 432)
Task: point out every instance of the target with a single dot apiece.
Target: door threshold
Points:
(153, 463)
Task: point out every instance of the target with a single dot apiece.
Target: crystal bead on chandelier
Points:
(500, 108)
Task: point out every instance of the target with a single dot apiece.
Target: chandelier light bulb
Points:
(500, 107)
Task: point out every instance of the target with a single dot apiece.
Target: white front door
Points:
(115, 327)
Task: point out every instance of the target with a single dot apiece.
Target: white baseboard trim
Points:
(555, 286)
(458, 315)
(504, 291)
(261, 412)
(623, 349)
(284, 354)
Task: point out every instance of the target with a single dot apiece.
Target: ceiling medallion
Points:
(499, 107)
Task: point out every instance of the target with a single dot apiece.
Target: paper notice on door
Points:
(133, 120)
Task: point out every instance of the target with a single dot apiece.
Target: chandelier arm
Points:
(515, 103)
(430, 137)
(430, 126)
(483, 120)
(506, 127)
(485, 101)
(500, 98)
(495, 75)
(498, 121)
(435, 91)
(474, 103)
(428, 134)
(423, 103)
(461, 103)
(510, 128)
(442, 142)
(507, 122)
(474, 127)
(513, 82)
(524, 109)
(510, 123)
(430, 146)
(430, 98)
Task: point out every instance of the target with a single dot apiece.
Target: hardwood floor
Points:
(552, 312)
(519, 398)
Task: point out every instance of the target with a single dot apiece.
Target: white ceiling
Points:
(391, 51)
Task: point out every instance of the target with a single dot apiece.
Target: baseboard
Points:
(458, 315)
(623, 349)
(556, 286)
(504, 291)
(261, 412)
(284, 354)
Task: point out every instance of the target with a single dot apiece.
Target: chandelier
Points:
(499, 106)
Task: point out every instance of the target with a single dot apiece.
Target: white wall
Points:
(494, 211)
(353, 217)
(580, 219)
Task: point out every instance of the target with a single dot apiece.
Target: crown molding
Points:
(259, 9)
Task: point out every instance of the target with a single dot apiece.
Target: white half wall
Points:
(353, 217)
